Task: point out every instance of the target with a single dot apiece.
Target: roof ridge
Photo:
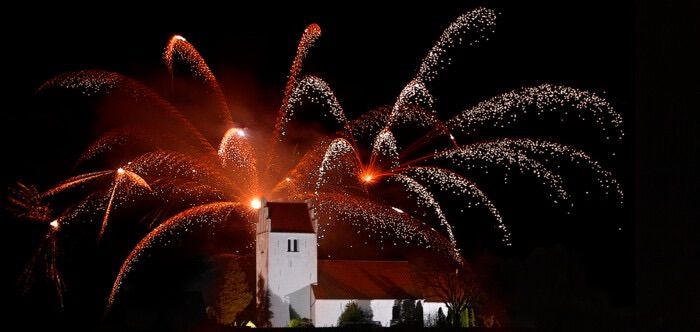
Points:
(363, 260)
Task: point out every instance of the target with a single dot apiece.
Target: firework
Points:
(509, 108)
(472, 28)
(121, 175)
(311, 34)
(98, 82)
(313, 90)
(25, 202)
(192, 187)
(180, 49)
(308, 39)
(44, 262)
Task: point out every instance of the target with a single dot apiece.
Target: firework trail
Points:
(25, 202)
(179, 48)
(308, 39)
(442, 180)
(74, 182)
(414, 93)
(554, 154)
(483, 158)
(472, 28)
(369, 124)
(168, 167)
(381, 224)
(303, 179)
(425, 198)
(98, 82)
(508, 109)
(110, 141)
(385, 153)
(121, 175)
(205, 217)
(238, 157)
(340, 156)
(45, 259)
(318, 92)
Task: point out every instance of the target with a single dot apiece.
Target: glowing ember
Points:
(120, 170)
(54, 224)
(255, 203)
(397, 209)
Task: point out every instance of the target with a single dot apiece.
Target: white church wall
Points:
(313, 306)
(279, 306)
(326, 312)
(382, 311)
(289, 273)
(301, 302)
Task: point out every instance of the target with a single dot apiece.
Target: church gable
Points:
(290, 217)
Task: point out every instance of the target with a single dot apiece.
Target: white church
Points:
(287, 261)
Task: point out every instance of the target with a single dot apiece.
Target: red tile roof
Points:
(364, 280)
(289, 217)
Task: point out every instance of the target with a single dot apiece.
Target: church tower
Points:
(286, 257)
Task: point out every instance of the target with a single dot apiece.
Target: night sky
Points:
(562, 267)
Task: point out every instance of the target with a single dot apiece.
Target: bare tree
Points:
(457, 290)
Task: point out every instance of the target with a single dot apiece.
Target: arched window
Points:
(292, 245)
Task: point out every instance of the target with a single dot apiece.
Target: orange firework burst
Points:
(359, 178)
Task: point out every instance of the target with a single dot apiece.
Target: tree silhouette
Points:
(441, 319)
(418, 314)
(396, 313)
(264, 314)
(407, 312)
(230, 293)
(457, 290)
(354, 314)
